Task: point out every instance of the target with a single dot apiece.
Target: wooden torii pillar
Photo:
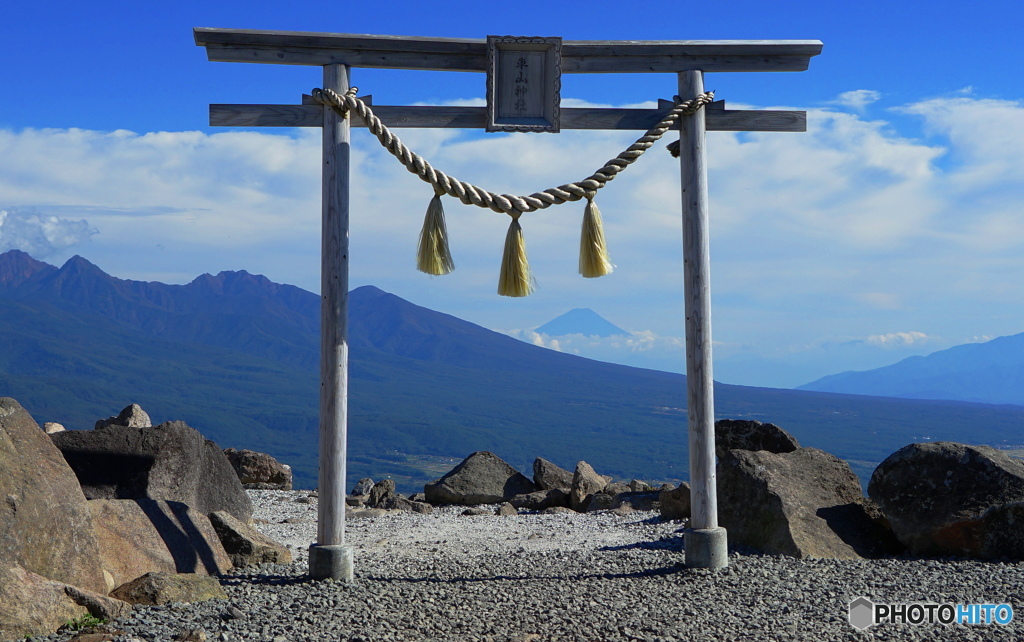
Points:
(705, 541)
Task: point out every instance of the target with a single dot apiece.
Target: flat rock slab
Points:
(45, 524)
(162, 588)
(138, 536)
(245, 545)
(541, 499)
(171, 462)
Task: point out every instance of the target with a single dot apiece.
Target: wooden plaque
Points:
(523, 84)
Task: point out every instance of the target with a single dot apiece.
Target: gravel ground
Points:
(531, 577)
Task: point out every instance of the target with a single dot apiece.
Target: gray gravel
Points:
(596, 577)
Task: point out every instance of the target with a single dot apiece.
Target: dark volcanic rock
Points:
(481, 478)
(397, 502)
(171, 462)
(541, 499)
(946, 498)
(642, 500)
(804, 503)
(382, 494)
(547, 476)
(675, 502)
(599, 501)
(45, 524)
(744, 434)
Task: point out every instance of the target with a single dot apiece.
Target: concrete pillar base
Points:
(331, 562)
(706, 547)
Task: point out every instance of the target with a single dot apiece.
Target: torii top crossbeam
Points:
(705, 544)
(463, 54)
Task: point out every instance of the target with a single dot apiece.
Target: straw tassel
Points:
(433, 256)
(515, 278)
(593, 253)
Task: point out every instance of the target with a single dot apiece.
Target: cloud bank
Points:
(818, 238)
(39, 234)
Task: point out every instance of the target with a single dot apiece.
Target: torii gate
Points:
(705, 541)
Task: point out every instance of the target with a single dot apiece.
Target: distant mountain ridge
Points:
(236, 356)
(234, 310)
(990, 372)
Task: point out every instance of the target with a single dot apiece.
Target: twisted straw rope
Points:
(507, 203)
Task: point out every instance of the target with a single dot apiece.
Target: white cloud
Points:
(39, 234)
(857, 99)
(897, 339)
(641, 349)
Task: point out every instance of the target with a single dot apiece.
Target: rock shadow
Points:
(182, 537)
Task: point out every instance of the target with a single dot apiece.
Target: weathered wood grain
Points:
(476, 117)
(334, 317)
(458, 54)
(697, 293)
(267, 115)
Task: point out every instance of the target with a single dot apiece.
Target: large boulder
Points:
(138, 536)
(548, 476)
(804, 503)
(945, 498)
(259, 471)
(45, 524)
(481, 478)
(585, 483)
(747, 434)
(171, 462)
(31, 604)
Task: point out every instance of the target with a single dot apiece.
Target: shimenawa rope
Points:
(515, 280)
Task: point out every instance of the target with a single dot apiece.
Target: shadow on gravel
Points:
(267, 580)
(653, 572)
(664, 544)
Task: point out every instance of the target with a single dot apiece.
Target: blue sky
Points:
(892, 227)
